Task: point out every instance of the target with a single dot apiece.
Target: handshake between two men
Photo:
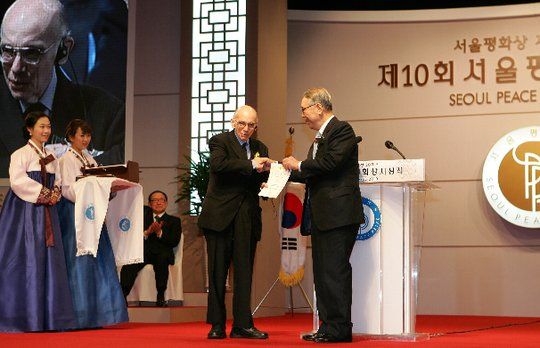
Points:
(231, 224)
(262, 164)
(225, 212)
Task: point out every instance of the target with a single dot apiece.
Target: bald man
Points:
(231, 221)
(35, 42)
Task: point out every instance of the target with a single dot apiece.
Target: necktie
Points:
(244, 147)
(157, 218)
(316, 143)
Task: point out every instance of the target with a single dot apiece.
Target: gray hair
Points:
(319, 95)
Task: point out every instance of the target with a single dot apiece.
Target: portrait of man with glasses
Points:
(35, 42)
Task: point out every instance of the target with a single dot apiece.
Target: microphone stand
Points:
(391, 146)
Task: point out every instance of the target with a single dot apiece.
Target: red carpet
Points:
(446, 331)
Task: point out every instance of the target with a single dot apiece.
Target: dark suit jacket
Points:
(332, 178)
(172, 230)
(233, 182)
(104, 113)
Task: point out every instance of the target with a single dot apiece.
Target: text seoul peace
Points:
(502, 97)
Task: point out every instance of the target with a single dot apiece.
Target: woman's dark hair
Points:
(30, 121)
(75, 124)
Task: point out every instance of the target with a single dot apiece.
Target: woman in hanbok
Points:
(95, 289)
(34, 290)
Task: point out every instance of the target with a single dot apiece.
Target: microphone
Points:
(291, 130)
(358, 139)
(391, 146)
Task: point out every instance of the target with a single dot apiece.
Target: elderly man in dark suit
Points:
(161, 235)
(231, 221)
(35, 41)
(332, 212)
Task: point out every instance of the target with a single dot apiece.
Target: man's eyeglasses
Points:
(158, 200)
(242, 124)
(307, 107)
(29, 55)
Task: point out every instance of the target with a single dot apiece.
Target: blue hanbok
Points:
(95, 288)
(34, 290)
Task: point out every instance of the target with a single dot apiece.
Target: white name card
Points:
(402, 170)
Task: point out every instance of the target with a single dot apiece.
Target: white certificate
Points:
(276, 181)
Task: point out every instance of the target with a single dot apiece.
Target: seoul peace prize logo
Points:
(372, 217)
(124, 224)
(511, 177)
(90, 212)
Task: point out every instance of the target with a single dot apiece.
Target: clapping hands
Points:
(155, 227)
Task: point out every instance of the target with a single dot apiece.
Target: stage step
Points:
(193, 310)
(197, 298)
(166, 314)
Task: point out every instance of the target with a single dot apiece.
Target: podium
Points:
(386, 257)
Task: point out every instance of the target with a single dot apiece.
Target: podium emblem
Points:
(372, 220)
(511, 177)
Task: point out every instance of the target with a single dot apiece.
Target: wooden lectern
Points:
(128, 171)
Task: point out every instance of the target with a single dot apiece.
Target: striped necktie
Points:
(318, 138)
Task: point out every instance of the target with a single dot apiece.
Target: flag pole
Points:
(288, 280)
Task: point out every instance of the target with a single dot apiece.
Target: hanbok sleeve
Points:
(58, 176)
(69, 169)
(22, 185)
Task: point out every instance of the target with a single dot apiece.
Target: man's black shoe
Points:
(251, 332)
(311, 336)
(160, 301)
(217, 332)
(327, 338)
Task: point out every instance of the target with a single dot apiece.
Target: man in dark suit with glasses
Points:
(231, 221)
(161, 235)
(332, 212)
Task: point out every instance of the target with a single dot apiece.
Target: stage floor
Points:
(445, 331)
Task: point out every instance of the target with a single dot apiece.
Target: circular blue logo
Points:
(372, 217)
(90, 212)
(124, 224)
